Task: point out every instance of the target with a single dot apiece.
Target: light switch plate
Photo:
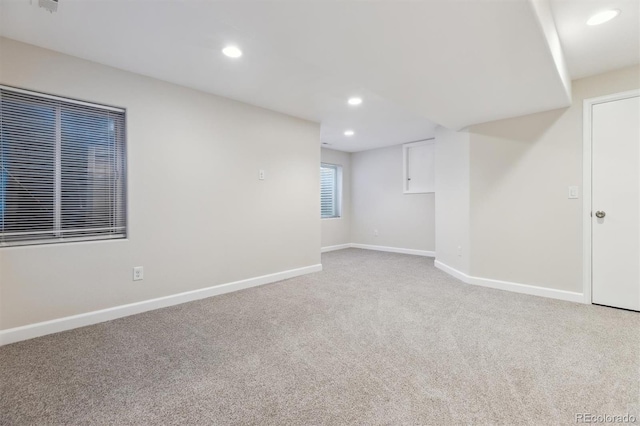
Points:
(573, 192)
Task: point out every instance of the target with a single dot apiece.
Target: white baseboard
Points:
(30, 331)
(333, 248)
(395, 250)
(451, 271)
(510, 286)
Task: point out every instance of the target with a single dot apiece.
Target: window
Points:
(330, 188)
(62, 169)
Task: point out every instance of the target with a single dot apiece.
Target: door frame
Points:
(587, 177)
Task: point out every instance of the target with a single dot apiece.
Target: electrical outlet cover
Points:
(138, 273)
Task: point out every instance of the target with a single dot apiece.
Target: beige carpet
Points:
(376, 338)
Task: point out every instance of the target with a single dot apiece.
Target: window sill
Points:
(57, 242)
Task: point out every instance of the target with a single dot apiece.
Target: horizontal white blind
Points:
(328, 190)
(61, 170)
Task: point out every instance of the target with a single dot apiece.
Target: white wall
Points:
(524, 229)
(337, 231)
(198, 215)
(503, 188)
(452, 198)
(378, 202)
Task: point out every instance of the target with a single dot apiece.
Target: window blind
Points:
(328, 191)
(62, 169)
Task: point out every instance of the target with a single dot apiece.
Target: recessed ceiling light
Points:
(232, 52)
(349, 133)
(602, 17)
(355, 101)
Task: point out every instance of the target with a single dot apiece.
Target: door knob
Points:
(600, 214)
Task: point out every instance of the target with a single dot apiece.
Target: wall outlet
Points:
(138, 273)
(459, 251)
(261, 174)
(375, 232)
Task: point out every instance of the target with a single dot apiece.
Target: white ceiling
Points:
(446, 59)
(180, 42)
(414, 63)
(591, 50)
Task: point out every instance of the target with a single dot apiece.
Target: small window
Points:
(330, 189)
(62, 169)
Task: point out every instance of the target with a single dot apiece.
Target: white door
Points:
(615, 223)
(419, 167)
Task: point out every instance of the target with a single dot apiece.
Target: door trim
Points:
(587, 177)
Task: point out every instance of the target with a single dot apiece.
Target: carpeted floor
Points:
(376, 338)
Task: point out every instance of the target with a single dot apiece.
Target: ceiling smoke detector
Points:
(50, 5)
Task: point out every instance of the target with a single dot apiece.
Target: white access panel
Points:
(419, 167)
(615, 224)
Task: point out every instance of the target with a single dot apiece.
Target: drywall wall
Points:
(452, 198)
(198, 215)
(378, 203)
(337, 231)
(524, 229)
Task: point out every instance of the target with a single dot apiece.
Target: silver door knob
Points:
(600, 214)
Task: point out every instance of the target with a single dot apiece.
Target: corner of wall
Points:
(453, 198)
(336, 232)
(544, 15)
